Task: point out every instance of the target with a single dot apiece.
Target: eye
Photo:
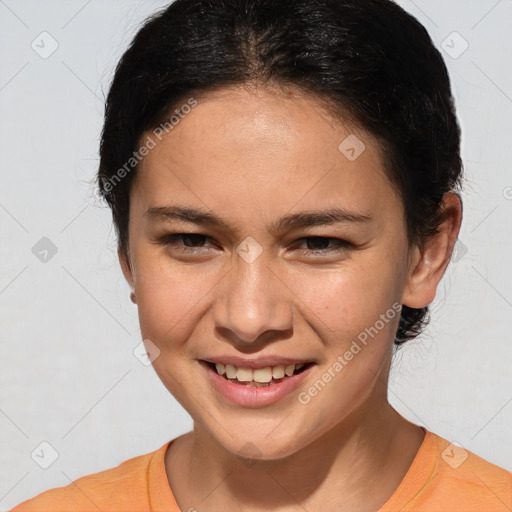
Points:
(319, 245)
(195, 242)
(192, 242)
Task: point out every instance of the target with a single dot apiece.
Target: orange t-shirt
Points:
(442, 478)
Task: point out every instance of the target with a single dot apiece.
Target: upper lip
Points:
(257, 362)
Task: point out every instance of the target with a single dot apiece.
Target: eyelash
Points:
(172, 240)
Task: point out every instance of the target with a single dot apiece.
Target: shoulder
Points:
(460, 464)
(116, 488)
(465, 481)
(445, 477)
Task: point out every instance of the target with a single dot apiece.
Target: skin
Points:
(252, 156)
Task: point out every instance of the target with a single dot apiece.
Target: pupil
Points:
(323, 242)
(193, 237)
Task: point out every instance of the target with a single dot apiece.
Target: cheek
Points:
(349, 299)
(168, 299)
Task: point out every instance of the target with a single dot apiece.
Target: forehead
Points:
(241, 151)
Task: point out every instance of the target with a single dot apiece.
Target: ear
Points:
(428, 262)
(126, 266)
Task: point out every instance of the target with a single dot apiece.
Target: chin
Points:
(252, 444)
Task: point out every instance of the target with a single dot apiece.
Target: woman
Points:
(284, 178)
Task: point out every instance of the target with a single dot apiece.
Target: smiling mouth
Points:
(246, 377)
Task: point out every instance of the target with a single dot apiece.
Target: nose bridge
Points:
(253, 300)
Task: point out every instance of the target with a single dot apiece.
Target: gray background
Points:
(68, 375)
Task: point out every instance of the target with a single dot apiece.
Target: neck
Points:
(355, 466)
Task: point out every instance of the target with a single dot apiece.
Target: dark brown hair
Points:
(365, 57)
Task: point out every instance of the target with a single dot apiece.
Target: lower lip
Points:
(252, 396)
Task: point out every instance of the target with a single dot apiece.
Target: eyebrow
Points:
(291, 221)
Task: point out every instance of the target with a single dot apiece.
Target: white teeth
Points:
(278, 372)
(230, 371)
(289, 370)
(261, 375)
(244, 374)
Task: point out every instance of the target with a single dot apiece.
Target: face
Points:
(254, 279)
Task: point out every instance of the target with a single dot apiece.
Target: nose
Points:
(253, 305)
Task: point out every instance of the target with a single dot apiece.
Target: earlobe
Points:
(430, 261)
